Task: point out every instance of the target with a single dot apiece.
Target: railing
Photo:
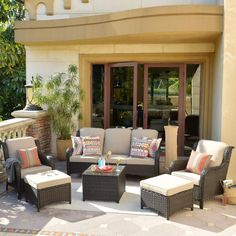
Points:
(13, 128)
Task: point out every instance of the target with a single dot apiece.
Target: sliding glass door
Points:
(164, 101)
(120, 95)
(148, 96)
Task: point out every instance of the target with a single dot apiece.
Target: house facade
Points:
(142, 63)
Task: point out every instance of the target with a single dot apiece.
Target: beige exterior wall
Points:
(228, 128)
(61, 9)
(217, 89)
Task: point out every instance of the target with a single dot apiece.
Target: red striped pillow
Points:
(29, 157)
(197, 162)
(91, 146)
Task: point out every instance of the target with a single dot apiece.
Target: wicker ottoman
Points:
(166, 194)
(47, 187)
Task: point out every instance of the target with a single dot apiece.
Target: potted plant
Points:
(61, 94)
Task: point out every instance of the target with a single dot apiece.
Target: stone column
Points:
(40, 129)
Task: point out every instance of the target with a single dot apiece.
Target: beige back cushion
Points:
(117, 140)
(93, 132)
(214, 148)
(19, 143)
(140, 133)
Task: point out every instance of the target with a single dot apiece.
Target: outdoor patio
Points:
(18, 217)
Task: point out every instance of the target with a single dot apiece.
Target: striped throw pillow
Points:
(29, 157)
(197, 162)
(91, 146)
(139, 148)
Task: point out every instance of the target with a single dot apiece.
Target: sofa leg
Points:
(19, 196)
(201, 204)
(141, 204)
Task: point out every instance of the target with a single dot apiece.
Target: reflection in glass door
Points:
(164, 99)
(121, 95)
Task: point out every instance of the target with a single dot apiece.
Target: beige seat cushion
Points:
(47, 179)
(94, 159)
(93, 132)
(195, 178)
(140, 161)
(140, 133)
(81, 158)
(117, 140)
(166, 185)
(123, 159)
(214, 148)
(34, 170)
(19, 143)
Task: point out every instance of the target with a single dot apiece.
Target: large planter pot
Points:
(62, 145)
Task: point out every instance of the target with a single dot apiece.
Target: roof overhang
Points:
(169, 24)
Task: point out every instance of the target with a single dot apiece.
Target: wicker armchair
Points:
(207, 184)
(10, 148)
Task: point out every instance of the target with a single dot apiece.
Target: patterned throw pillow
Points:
(77, 145)
(139, 148)
(154, 146)
(197, 162)
(29, 157)
(91, 146)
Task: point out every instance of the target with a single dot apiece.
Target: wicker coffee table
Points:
(103, 186)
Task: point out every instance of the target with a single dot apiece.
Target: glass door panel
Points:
(164, 99)
(97, 96)
(122, 95)
(192, 108)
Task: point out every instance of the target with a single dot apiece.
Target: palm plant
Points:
(61, 93)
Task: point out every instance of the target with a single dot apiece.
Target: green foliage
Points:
(61, 94)
(12, 60)
(12, 96)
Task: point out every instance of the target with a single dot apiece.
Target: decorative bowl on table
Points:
(106, 168)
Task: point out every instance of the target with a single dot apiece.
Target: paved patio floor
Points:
(108, 218)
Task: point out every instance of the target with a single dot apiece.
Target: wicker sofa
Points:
(117, 140)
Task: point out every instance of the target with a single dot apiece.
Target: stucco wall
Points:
(45, 62)
(93, 7)
(228, 130)
(217, 89)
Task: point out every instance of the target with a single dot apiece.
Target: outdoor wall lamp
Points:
(30, 106)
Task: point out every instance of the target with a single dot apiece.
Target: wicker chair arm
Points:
(214, 172)
(69, 153)
(177, 165)
(17, 168)
(157, 163)
(45, 160)
(210, 179)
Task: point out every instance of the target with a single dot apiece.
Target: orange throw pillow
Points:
(29, 157)
(197, 162)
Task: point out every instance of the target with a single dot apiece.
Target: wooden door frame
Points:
(181, 104)
(107, 92)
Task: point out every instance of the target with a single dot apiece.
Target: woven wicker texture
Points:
(103, 186)
(166, 205)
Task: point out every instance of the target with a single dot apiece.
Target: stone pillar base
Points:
(40, 130)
